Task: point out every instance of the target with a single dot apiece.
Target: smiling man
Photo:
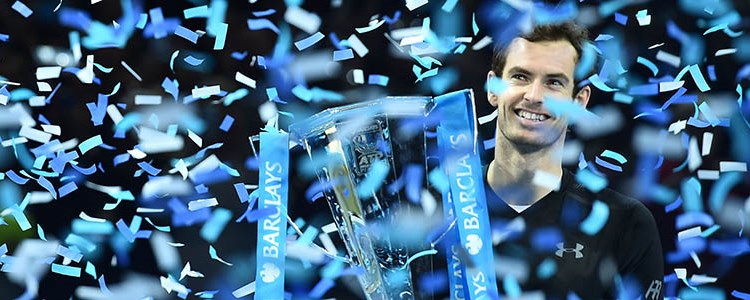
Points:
(557, 253)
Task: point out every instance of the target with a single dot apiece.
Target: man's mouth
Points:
(538, 117)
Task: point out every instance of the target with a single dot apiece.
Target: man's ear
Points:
(492, 98)
(582, 97)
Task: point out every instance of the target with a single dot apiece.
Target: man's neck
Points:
(511, 173)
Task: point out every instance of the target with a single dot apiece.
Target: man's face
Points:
(534, 71)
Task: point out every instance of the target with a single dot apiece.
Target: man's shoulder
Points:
(616, 202)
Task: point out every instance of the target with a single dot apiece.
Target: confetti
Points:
(187, 34)
(372, 26)
(215, 256)
(221, 35)
(376, 79)
(131, 71)
(596, 219)
(241, 78)
(196, 12)
(309, 41)
(259, 24)
(650, 65)
(202, 203)
(205, 92)
(668, 58)
(22, 9)
(343, 55)
(66, 270)
(546, 180)
(302, 19)
(215, 225)
(414, 4)
(244, 290)
(374, 178)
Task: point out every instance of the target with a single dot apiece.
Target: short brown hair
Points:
(569, 31)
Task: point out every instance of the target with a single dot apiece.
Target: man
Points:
(554, 255)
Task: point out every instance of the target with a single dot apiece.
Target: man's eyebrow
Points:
(518, 70)
(560, 76)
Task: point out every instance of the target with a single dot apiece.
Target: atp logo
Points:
(473, 244)
(269, 273)
(562, 250)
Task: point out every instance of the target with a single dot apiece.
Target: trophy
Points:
(373, 158)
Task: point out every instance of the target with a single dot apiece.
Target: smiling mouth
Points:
(531, 116)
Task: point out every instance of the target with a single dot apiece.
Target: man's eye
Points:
(556, 83)
(518, 77)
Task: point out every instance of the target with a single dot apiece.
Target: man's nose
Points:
(535, 92)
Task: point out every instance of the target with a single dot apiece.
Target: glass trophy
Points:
(345, 144)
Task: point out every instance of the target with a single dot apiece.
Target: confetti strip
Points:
(196, 12)
(22, 9)
(215, 256)
(309, 41)
(66, 270)
(131, 71)
(302, 19)
(241, 78)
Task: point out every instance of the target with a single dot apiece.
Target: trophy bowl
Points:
(372, 158)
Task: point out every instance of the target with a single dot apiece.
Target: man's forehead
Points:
(522, 45)
(523, 51)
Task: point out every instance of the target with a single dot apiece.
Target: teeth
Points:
(532, 116)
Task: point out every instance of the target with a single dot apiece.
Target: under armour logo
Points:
(654, 290)
(562, 250)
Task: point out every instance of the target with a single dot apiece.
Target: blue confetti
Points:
(644, 90)
(259, 24)
(373, 179)
(721, 189)
(345, 54)
(171, 87)
(186, 34)
(239, 55)
(193, 61)
(215, 225)
(226, 124)
(511, 286)
(649, 64)
(620, 18)
(546, 269)
(693, 218)
(439, 180)
(98, 110)
(691, 194)
(67, 189)
(596, 219)
(607, 164)
(66, 270)
(68, 253)
(142, 20)
(103, 286)
(196, 12)
(308, 41)
(151, 170)
(22, 9)
(220, 31)
(591, 181)
(376, 79)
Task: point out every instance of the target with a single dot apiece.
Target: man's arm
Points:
(640, 256)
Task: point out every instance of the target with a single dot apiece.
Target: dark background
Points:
(150, 58)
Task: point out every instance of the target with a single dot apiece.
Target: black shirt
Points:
(554, 257)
